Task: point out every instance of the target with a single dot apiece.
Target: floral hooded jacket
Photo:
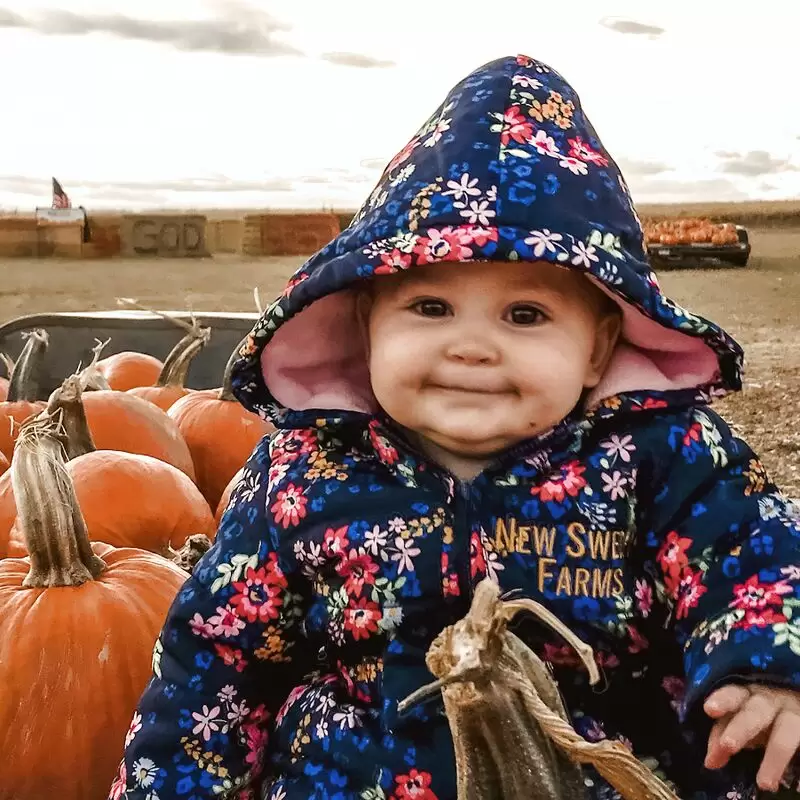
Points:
(643, 522)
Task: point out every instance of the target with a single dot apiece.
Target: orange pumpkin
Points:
(88, 618)
(121, 421)
(699, 235)
(171, 383)
(129, 369)
(162, 507)
(23, 389)
(221, 435)
(130, 500)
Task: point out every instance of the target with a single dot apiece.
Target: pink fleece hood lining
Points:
(317, 360)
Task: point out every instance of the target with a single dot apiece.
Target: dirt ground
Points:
(759, 306)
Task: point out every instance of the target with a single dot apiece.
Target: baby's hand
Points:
(754, 716)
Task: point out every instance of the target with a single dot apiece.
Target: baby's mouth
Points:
(463, 389)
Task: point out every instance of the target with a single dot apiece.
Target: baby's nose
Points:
(472, 350)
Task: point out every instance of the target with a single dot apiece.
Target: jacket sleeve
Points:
(222, 665)
(726, 557)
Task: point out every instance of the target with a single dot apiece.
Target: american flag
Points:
(60, 199)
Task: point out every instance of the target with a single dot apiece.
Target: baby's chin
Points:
(470, 444)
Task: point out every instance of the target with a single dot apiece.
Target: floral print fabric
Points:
(653, 533)
(645, 524)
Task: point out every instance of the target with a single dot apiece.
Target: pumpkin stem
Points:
(226, 392)
(24, 381)
(47, 509)
(68, 400)
(8, 362)
(188, 327)
(177, 363)
(92, 380)
(193, 549)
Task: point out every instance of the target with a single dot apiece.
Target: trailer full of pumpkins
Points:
(696, 242)
(110, 492)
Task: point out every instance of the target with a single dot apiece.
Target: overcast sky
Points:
(142, 103)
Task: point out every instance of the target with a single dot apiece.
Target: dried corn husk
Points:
(511, 733)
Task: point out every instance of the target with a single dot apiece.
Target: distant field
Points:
(773, 214)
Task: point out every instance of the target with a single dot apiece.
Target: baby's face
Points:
(476, 357)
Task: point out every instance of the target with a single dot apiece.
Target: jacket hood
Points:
(507, 168)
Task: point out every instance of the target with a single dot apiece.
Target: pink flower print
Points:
(756, 596)
(361, 618)
(568, 482)
(225, 622)
(690, 590)
(208, 722)
(414, 786)
(545, 145)
(514, 126)
(290, 507)
(644, 597)
(133, 728)
(335, 541)
(118, 788)
(447, 244)
(404, 555)
(258, 596)
(393, 262)
(673, 559)
(200, 627)
(581, 150)
(477, 556)
(357, 568)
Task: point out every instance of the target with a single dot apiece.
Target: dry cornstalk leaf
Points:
(501, 701)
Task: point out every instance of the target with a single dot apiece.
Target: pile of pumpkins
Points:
(690, 230)
(110, 491)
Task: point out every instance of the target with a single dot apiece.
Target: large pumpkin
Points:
(127, 500)
(129, 369)
(23, 390)
(121, 421)
(78, 624)
(221, 435)
(171, 383)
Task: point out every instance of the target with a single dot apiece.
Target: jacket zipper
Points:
(461, 522)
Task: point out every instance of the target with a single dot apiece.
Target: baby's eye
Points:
(430, 308)
(526, 315)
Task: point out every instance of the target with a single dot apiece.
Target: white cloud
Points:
(101, 110)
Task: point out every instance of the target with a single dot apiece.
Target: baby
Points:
(481, 377)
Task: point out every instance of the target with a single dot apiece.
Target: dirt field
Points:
(759, 305)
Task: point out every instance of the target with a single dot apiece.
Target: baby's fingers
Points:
(746, 726)
(716, 755)
(727, 700)
(784, 741)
